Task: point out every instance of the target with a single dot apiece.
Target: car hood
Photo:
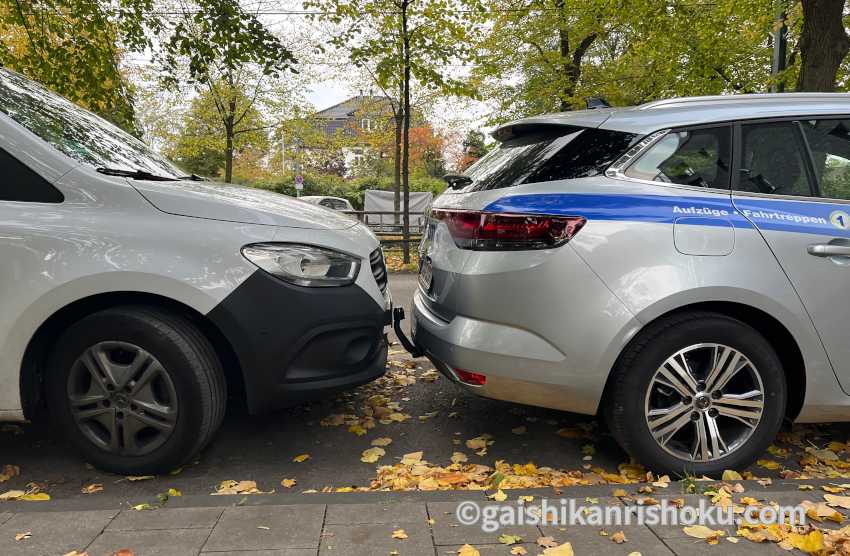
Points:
(232, 203)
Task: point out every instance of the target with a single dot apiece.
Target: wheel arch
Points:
(35, 354)
(777, 335)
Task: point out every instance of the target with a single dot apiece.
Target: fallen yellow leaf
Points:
(835, 500)
(301, 458)
(467, 550)
(565, 549)
(373, 454)
(399, 534)
(287, 483)
(702, 532)
(619, 537)
(92, 488)
(731, 475)
(8, 472)
(510, 539)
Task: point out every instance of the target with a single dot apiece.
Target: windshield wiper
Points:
(457, 181)
(193, 177)
(133, 174)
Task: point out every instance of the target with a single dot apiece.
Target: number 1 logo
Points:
(840, 219)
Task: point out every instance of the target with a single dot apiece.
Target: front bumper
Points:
(294, 343)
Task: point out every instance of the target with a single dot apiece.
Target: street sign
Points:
(299, 182)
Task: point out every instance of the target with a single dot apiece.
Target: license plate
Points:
(426, 274)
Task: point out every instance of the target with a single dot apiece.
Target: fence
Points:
(389, 225)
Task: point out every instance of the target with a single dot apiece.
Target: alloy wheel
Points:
(122, 398)
(704, 402)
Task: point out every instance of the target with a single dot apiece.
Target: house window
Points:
(366, 124)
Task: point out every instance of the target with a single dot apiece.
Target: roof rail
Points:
(749, 97)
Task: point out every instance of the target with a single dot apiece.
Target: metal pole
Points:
(780, 48)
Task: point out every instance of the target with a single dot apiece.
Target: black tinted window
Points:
(553, 153)
(697, 157)
(772, 160)
(586, 156)
(829, 141)
(19, 183)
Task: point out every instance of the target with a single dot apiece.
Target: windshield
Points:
(552, 153)
(75, 132)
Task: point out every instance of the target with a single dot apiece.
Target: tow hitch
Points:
(413, 349)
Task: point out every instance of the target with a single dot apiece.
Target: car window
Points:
(75, 132)
(829, 142)
(772, 160)
(21, 184)
(698, 157)
(550, 153)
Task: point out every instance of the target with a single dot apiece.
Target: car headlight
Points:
(304, 265)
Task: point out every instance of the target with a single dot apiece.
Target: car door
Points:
(27, 203)
(793, 184)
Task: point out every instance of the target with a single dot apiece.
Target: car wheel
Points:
(697, 393)
(135, 390)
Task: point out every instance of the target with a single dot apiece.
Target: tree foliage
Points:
(83, 64)
(199, 146)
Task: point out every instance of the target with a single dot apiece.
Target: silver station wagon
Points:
(681, 267)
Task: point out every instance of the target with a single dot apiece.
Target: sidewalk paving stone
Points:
(698, 547)
(447, 530)
(52, 532)
(491, 549)
(288, 527)
(166, 518)
(4, 517)
(282, 552)
(351, 514)
(587, 540)
(368, 540)
(176, 542)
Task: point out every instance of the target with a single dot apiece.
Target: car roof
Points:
(322, 197)
(684, 111)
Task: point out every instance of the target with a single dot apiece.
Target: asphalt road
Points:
(262, 448)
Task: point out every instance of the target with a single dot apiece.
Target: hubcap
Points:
(122, 398)
(704, 402)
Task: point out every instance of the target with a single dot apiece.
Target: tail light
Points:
(468, 377)
(488, 231)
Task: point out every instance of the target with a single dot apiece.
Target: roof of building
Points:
(677, 112)
(348, 107)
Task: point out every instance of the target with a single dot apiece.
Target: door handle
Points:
(829, 250)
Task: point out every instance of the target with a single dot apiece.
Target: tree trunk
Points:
(229, 126)
(564, 51)
(399, 122)
(823, 44)
(228, 153)
(405, 155)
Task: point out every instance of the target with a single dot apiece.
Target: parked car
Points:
(135, 298)
(335, 203)
(681, 267)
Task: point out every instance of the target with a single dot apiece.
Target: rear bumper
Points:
(294, 343)
(519, 365)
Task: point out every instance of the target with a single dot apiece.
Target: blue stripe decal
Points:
(768, 214)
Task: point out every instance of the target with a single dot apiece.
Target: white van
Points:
(134, 298)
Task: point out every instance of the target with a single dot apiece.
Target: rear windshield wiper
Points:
(134, 174)
(457, 181)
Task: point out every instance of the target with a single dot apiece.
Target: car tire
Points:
(135, 389)
(654, 419)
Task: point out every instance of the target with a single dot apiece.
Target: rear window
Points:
(553, 153)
